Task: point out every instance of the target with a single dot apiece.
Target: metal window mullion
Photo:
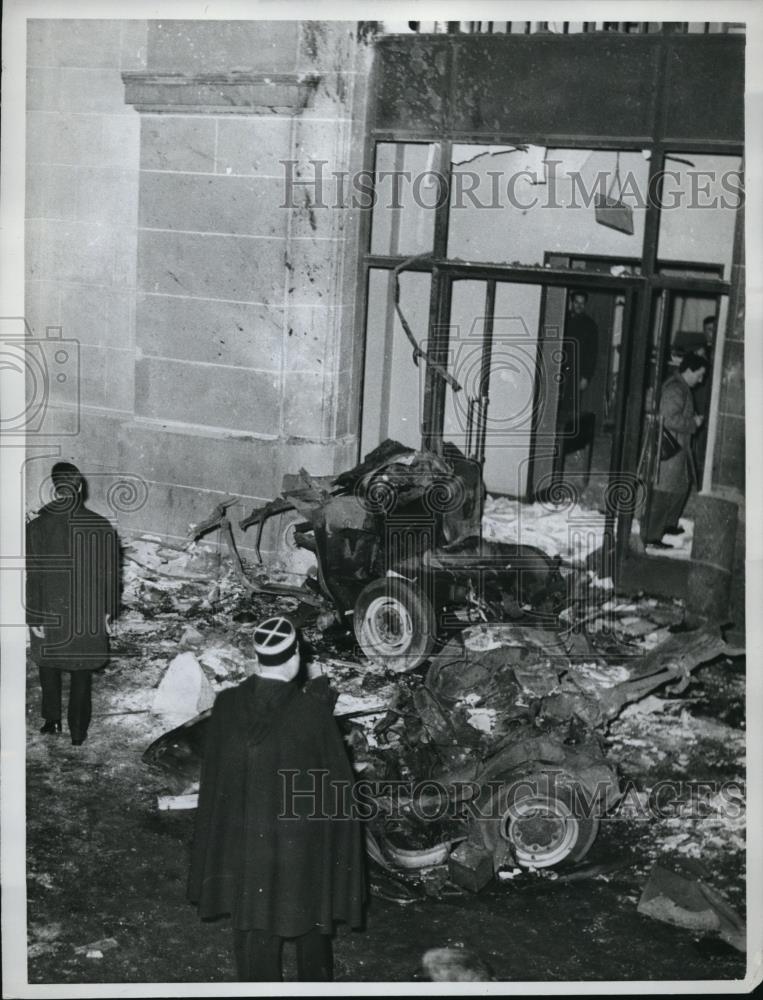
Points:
(487, 357)
(433, 415)
(364, 241)
(632, 357)
(636, 336)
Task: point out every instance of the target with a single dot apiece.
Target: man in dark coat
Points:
(580, 348)
(675, 474)
(72, 595)
(276, 846)
(703, 390)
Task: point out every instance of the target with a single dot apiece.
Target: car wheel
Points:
(394, 624)
(544, 824)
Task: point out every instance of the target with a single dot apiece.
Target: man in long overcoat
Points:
(276, 845)
(675, 474)
(580, 351)
(72, 595)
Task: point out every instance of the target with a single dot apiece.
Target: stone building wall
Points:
(216, 322)
(82, 151)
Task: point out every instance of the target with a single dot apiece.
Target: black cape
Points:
(276, 862)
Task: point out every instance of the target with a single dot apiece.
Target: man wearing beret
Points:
(276, 846)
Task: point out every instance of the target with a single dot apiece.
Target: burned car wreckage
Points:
(493, 754)
(398, 548)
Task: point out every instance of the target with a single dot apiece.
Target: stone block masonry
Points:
(216, 322)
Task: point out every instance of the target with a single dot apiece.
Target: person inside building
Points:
(709, 324)
(72, 596)
(703, 390)
(276, 845)
(676, 470)
(581, 346)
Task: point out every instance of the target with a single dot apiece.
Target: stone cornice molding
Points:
(239, 93)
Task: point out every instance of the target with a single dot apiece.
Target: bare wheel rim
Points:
(388, 625)
(543, 831)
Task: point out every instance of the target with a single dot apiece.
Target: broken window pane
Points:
(514, 205)
(700, 195)
(393, 385)
(406, 191)
(492, 352)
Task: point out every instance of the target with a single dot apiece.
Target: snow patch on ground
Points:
(570, 531)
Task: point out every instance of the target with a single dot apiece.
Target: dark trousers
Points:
(664, 512)
(80, 707)
(258, 956)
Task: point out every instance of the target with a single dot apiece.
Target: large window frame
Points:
(641, 290)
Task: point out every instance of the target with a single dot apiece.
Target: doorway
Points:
(684, 320)
(585, 421)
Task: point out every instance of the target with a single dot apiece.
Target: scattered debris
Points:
(44, 932)
(191, 638)
(41, 878)
(177, 802)
(470, 867)
(455, 965)
(225, 662)
(97, 948)
(184, 690)
(550, 677)
(39, 948)
(178, 752)
(692, 904)
(535, 697)
(423, 857)
(597, 694)
(597, 871)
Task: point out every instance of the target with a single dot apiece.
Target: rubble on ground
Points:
(455, 965)
(688, 902)
(493, 682)
(598, 691)
(183, 691)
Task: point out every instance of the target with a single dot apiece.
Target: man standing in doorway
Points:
(703, 390)
(676, 473)
(708, 329)
(580, 346)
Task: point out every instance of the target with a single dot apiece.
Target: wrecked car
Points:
(494, 757)
(399, 553)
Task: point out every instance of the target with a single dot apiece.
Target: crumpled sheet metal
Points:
(541, 752)
(389, 479)
(539, 706)
(492, 658)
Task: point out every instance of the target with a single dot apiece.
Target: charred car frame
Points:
(399, 552)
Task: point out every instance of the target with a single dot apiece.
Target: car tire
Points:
(394, 624)
(543, 822)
